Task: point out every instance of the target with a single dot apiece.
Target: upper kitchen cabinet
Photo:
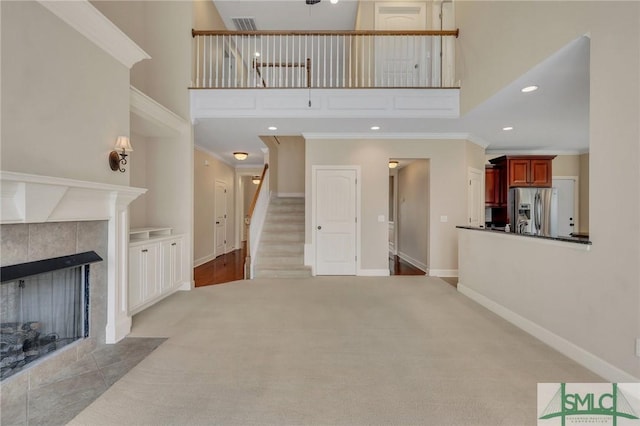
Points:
(532, 171)
(493, 191)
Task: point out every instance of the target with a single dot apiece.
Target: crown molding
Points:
(213, 154)
(535, 152)
(156, 114)
(399, 136)
(88, 21)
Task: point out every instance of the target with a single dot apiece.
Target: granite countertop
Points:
(567, 239)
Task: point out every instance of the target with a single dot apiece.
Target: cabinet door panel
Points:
(541, 173)
(152, 285)
(166, 278)
(490, 185)
(136, 278)
(176, 263)
(519, 172)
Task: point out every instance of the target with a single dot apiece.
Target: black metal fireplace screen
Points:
(44, 306)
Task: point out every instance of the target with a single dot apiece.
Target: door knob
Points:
(319, 227)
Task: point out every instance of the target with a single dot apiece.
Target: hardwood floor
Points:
(223, 269)
(230, 267)
(398, 266)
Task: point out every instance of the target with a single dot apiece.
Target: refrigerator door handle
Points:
(537, 207)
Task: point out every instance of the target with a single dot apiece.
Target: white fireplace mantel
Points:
(27, 198)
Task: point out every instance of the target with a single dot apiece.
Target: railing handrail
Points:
(452, 33)
(255, 196)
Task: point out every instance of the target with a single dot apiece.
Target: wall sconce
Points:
(240, 155)
(117, 160)
(255, 180)
(393, 164)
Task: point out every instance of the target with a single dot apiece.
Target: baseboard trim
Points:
(291, 194)
(562, 345)
(412, 261)
(203, 260)
(442, 272)
(373, 273)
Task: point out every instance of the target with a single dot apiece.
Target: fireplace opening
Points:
(44, 306)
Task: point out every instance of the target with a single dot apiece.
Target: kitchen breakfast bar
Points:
(537, 284)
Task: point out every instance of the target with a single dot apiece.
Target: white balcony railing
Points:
(323, 59)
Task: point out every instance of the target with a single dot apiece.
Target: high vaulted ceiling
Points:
(553, 119)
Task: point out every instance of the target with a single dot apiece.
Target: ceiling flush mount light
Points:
(117, 160)
(529, 89)
(255, 180)
(393, 164)
(506, 129)
(272, 128)
(240, 156)
(334, 1)
(375, 127)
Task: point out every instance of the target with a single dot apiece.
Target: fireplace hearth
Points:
(44, 306)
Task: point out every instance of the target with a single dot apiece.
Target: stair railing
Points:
(323, 59)
(254, 221)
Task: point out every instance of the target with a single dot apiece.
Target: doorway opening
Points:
(409, 216)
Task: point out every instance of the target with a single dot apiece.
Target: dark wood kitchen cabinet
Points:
(525, 170)
(492, 187)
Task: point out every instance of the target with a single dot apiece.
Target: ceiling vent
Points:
(245, 24)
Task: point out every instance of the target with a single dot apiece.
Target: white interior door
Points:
(221, 217)
(474, 197)
(401, 61)
(566, 205)
(335, 222)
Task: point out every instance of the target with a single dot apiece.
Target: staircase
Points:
(281, 250)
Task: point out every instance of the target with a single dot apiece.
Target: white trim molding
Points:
(412, 261)
(442, 272)
(163, 121)
(83, 17)
(569, 349)
(326, 103)
(30, 198)
(291, 194)
(373, 272)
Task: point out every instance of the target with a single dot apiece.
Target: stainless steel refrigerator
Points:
(534, 211)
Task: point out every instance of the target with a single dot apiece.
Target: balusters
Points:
(322, 60)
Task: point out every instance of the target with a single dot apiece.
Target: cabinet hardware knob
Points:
(319, 227)
(145, 250)
(173, 244)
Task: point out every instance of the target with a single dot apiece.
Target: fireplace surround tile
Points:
(15, 244)
(14, 400)
(54, 239)
(45, 405)
(62, 367)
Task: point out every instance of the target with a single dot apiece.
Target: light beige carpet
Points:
(331, 351)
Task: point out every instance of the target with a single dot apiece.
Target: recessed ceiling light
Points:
(375, 127)
(507, 128)
(273, 128)
(334, 1)
(257, 54)
(529, 89)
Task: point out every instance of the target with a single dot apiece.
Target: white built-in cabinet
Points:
(156, 267)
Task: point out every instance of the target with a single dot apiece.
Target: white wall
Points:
(290, 165)
(448, 197)
(163, 30)
(64, 100)
(205, 177)
(413, 212)
(592, 301)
